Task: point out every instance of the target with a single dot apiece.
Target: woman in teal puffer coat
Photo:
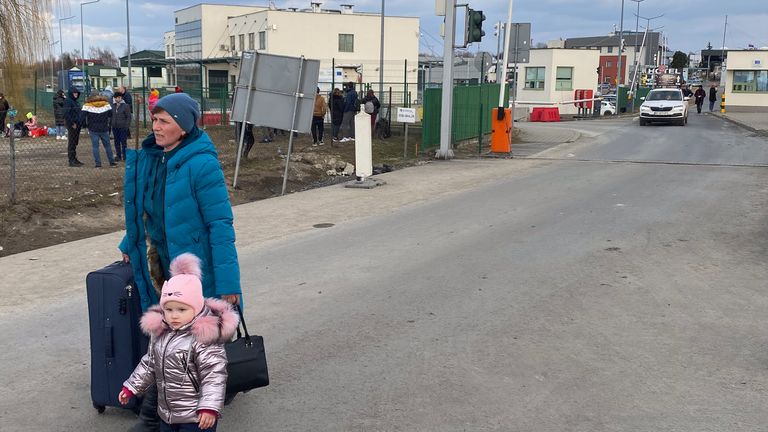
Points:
(176, 201)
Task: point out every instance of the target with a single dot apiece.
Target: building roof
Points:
(630, 39)
(143, 58)
(95, 70)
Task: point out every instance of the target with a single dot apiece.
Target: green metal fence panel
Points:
(472, 107)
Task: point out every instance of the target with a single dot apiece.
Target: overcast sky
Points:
(688, 24)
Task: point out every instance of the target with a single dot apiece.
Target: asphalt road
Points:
(616, 283)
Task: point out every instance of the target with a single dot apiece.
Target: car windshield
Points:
(665, 95)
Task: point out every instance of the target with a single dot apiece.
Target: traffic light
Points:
(474, 31)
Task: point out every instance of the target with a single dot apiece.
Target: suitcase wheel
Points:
(99, 408)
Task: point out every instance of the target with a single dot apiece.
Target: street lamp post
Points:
(53, 59)
(128, 30)
(61, 44)
(82, 43)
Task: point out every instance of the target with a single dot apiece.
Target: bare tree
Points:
(19, 53)
(105, 54)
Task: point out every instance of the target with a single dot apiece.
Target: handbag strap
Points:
(242, 322)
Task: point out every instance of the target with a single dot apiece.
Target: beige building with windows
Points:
(552, 75)
(205, 46)
(746, 80)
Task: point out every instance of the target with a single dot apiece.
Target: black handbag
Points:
(246, 361)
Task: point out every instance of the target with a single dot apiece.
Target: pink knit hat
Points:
(185, 285)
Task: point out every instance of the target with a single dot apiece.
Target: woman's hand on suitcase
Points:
(231, 298)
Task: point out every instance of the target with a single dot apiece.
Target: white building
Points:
(553, 74)
(212, 37)
(746, 80)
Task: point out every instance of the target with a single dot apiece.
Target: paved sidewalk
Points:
(754, 121)
(59, 271)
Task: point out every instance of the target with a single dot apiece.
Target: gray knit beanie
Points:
(184, 110)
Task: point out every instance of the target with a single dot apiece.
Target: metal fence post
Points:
(13, 169)
(34, 94)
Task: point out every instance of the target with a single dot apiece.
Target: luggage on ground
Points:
(117, 343)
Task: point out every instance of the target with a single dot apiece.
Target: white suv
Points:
(664, 105)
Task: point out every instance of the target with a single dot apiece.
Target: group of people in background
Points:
(343, 107)
(102, 113)
(700, 94)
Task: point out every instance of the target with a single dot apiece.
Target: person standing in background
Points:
(712, 97)
(318, 118)
(58, 114)
(72, 116)
(351, 107)
(97, 117)
(700, 94)
(372, 106)
(337, 113)
(4, 107)
(121, 122)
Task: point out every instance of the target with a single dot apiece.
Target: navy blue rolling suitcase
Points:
(117, 343)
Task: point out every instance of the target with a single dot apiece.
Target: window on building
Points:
(610, 49)
(346, 42)
(251, 41)
(241, 40)
(262, 40)
(231, 43)
(173, 50)
(167, 50)
(750, 81)
(534, 78)
(564, 78)
(608, 64)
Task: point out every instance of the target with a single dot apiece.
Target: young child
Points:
(186, 358)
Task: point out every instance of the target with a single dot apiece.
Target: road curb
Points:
(734, 121)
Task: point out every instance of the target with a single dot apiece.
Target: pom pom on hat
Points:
(186, 263)
(185, 285)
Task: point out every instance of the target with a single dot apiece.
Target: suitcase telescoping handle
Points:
(108, 345)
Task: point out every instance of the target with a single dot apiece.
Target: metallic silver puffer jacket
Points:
(184, 388)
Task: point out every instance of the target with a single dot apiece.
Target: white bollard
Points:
(363, 146)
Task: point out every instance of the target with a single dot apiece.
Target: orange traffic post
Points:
(501, 131)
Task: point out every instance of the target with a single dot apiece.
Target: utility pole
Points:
(381, 56)
(446, 112)
(637, 29)
(619, 75)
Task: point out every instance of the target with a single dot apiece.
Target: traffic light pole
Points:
(446, 111)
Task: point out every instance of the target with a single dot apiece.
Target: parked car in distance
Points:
(607, 108)
(665, 105)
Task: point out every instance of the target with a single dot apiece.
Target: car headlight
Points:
(645, 108)
(678, 108)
